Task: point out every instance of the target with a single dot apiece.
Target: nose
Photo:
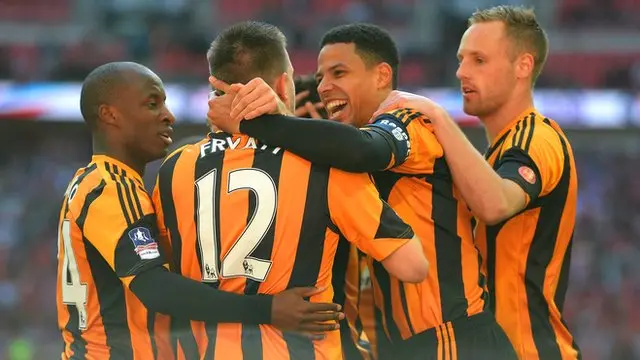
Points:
(324, 85)
(169, 117)
(461, 73)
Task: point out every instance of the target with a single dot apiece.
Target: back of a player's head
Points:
(248, 50)
(522, 27)
(373, 44)
(102, 85)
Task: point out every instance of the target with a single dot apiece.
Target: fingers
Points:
(261, 106)
(312, 109)
(252, 97)
(220, 85)
(323, 317)
(302, 95)
(321, 307)
(318, 327)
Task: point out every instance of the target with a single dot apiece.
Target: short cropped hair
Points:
(373, 44)
(102, 85)
(522, 27)
(248, 50)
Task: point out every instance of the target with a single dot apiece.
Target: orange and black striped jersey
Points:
(527, 256)
(358, 305)
(418, 186)
(107, 235)
(248, 218)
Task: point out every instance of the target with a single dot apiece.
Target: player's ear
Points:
(524, 65)
(384, 75)
(107, 114)
(281, 87)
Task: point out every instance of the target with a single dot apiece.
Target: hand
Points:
(252, 100)
(291, 312)
(402, 100)
(219, 114)
(308, 109)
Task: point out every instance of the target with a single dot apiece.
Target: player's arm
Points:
(495, 196)
(329, 142)
(129, 246)
(364, 219)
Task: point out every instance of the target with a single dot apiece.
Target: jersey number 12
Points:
(238, 261)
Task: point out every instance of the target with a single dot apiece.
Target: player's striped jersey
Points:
(252, 219)
(107, 233)
(419, 187)
(527, 256)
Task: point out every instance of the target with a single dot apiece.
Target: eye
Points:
(479, 60)
(338, 73)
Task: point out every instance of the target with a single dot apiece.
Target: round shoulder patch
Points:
(527, 174)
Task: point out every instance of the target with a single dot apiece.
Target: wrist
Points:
(260, 309)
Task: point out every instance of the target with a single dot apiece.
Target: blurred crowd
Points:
(171, 36)
(604, 290)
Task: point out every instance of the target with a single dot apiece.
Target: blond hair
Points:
(522, 27)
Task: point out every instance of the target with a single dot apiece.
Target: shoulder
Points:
(534, 133)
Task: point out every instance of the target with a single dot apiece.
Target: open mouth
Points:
(166, 136)
(336, 107)
(466, 90)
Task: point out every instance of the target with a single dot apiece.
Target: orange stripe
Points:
(229, 342)
(512, 311)
(440, 342)
(447, 342)
(452, 339)
(292, 194)
(273, 344)
(137, 321)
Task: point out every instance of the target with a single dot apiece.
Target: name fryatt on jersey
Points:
(144, 245)
(220, 145)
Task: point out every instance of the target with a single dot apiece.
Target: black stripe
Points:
(120, 196)
(524, 130)
(385, 182)
(113, 308)
(405, 306)
(515, 135)
(136, 198)
(530, 136)
(271, 164)
(448, 243)
(79, 344)
(123, 180)
(538, 259)
(495, 146)
(151, 323)
(109, 290)
(491, 235)
(180, 328)
(306, 267)
(339, 270)
(563, 279)
(202, 167)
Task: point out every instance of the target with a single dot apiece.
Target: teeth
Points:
(331, 105)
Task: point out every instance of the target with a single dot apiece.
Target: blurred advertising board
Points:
(571, 108)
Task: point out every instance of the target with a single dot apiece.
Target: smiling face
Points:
(350, 90)
(487, 70)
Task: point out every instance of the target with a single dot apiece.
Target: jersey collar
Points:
(130, 172)
(513, 123)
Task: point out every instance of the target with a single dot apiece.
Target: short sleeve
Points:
(362, 217)
(163, 234)
(416, 136)
(535, 163)
(121, 225)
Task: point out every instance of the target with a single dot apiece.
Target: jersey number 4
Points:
(73, 291)
(238, 261)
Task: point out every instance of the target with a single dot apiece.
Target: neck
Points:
(379, 99)
(103, 147)
(497, 121)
